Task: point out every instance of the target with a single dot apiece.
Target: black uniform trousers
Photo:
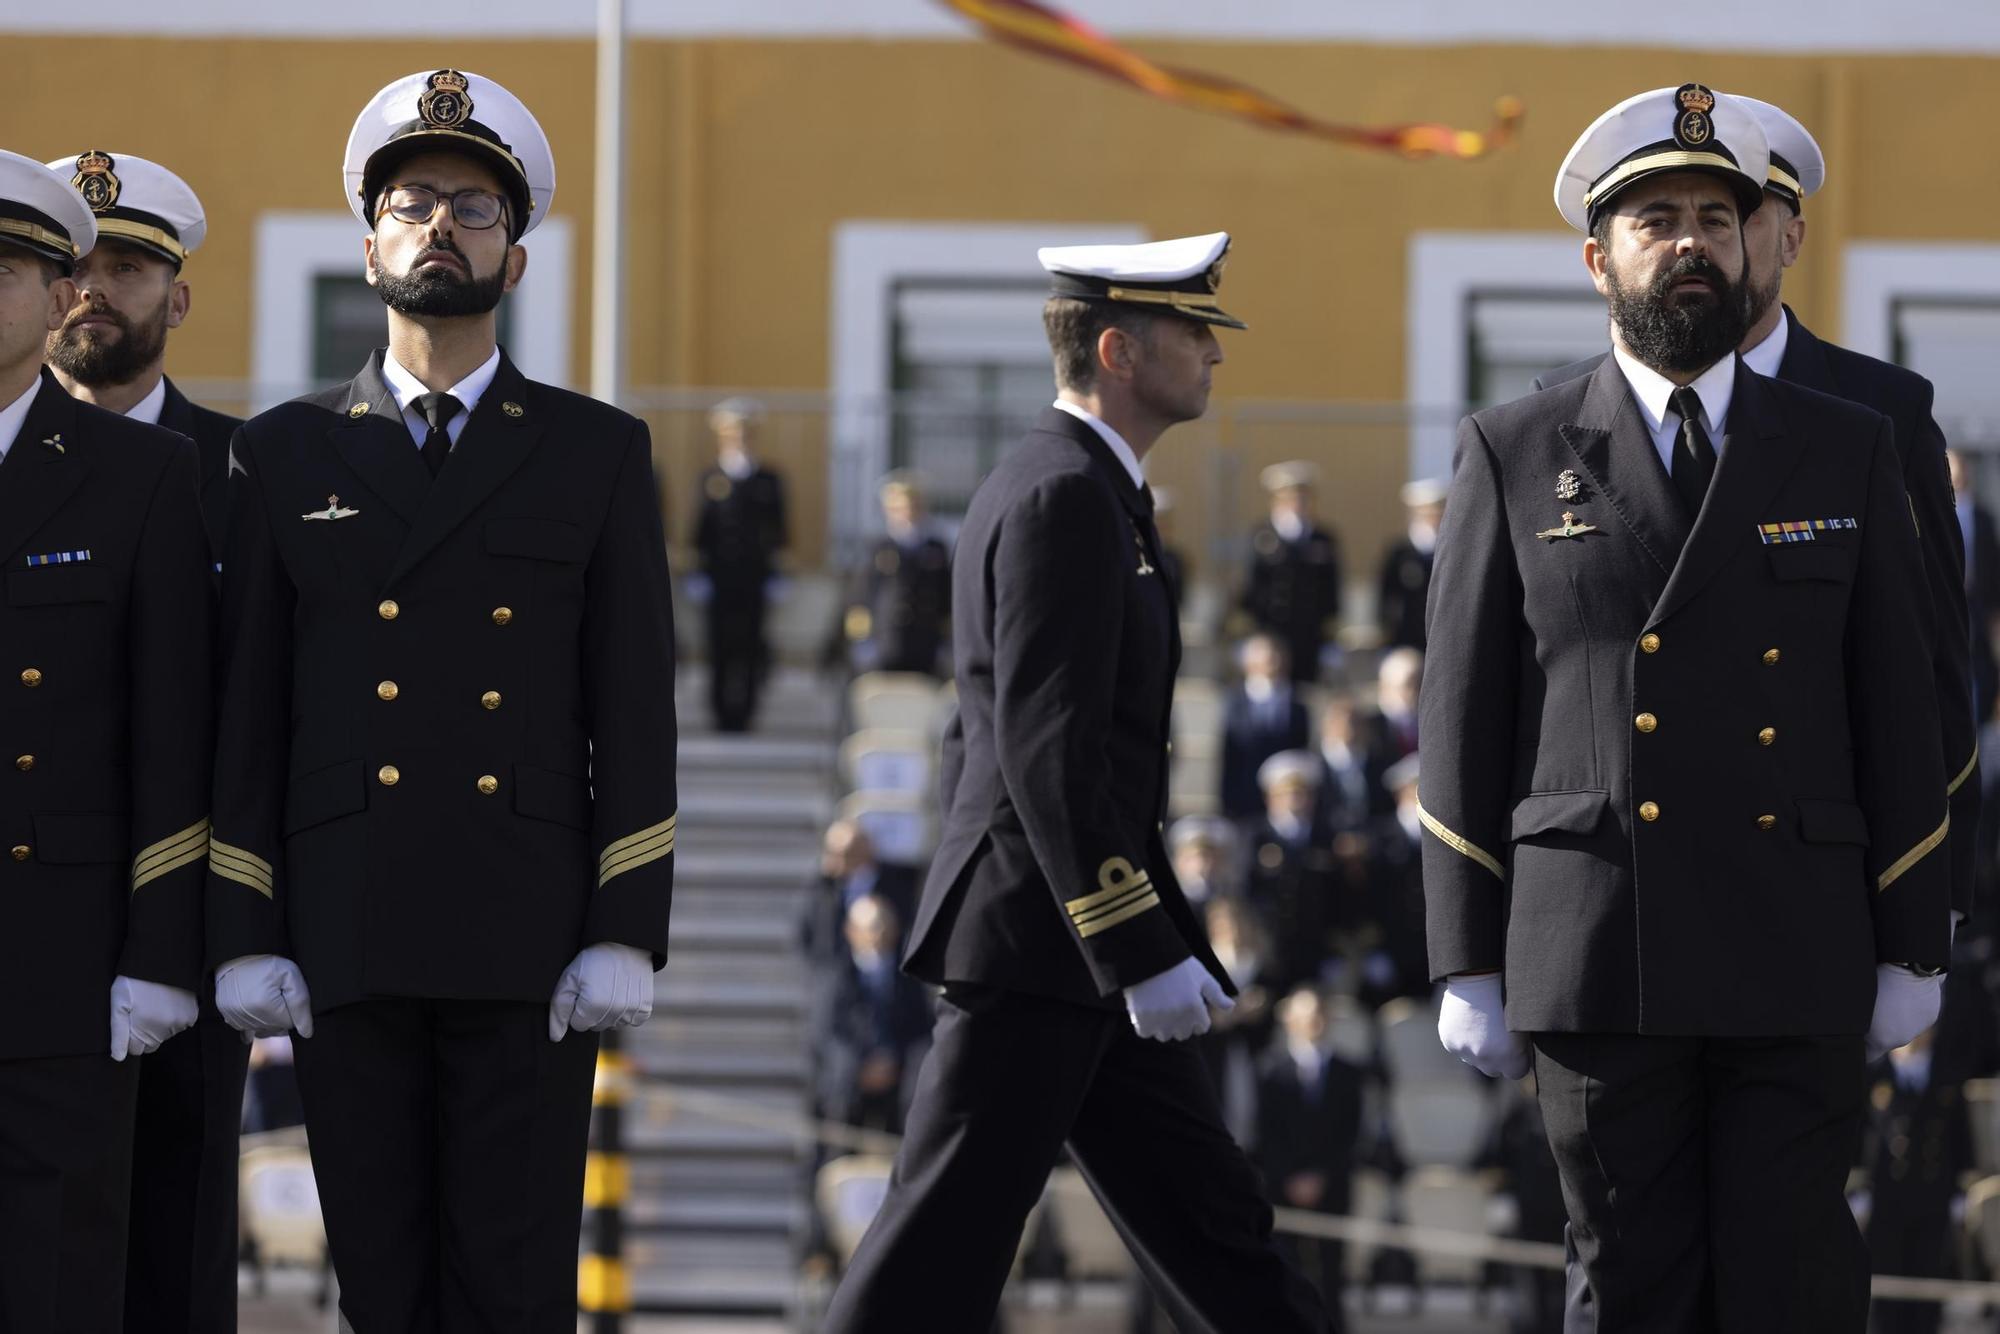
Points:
(1010, 1080)
(65, 1188)
(1705, 1181)
(184, 1173)
(448, 1142)
(738, 656)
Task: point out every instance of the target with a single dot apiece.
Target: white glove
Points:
(1473, 1027)
(264, 996)
(145, 1014)
(1905, 1005)
(1173, 1005)
(605, 986)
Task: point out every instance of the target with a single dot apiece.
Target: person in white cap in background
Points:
(112, 351)
(1293, 589)
(739, 534)
(1405, 581)
(131, 292)
(1071, 965)
(105, 709)
(1681, 788)
(445, 803)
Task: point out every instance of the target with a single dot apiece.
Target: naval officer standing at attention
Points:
(111, 351)
(1681, 773)
(1071, 964)
(105, 684)
(1779, 344)
(445, 805)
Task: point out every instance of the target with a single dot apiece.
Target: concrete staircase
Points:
(718, 1207)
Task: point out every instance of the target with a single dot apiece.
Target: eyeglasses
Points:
(474, 210)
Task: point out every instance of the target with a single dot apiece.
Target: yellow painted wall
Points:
(745, 155)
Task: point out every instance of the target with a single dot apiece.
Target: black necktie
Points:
(1694, 456)
(438, 410)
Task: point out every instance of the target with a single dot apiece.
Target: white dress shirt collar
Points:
(149, 408)
(1767, 356)
(1653, 392)
(1119, 449)
(14, 414)
(407, 388)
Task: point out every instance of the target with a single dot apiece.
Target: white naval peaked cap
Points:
(1290, 766)
(1688, 128)
(39, 212)
(1210, 831)
(1288, 476)
(1424, 491)
(1182, 275)
(447, 111)
(138, 201)
(1798, 168)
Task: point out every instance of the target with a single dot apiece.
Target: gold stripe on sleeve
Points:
(1913, 856)
(1110, 909)
(636, 856)
(1459, 845)
(1964, 773)
(619, 847)
(1109, 920)
(151, 863)
(245, 868)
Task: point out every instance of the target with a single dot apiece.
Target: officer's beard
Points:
(438, 290)
(97, 357)
(1688, 333)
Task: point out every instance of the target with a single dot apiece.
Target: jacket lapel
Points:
(1805, 358)
(40, 470)
(1610, 440)
(498, 438)
(176, 413)
(373, 440)
(1757, 456)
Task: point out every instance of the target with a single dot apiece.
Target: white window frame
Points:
(870, 260)
(1879, 273)
(294, 249)
(1446, 268)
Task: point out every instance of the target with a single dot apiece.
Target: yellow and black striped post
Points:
(603, 1286)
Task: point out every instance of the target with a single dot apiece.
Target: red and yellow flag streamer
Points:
(1050, 32)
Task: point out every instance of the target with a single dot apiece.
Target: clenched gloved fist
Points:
(1173, 1005)
(1473, 1027)
(264, 996)
(1905, 1005)
(605, 986)
(145, 1014)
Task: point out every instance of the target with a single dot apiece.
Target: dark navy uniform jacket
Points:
(1052, 876)
(446, 751)
(1681, 777)
(211, 431)
(105, 635)
(1905, 397)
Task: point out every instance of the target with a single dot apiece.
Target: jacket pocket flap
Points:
(57, 584)
(67, 839)
(1558, 812)
(544, 794)
(1810, 560)
(325, 794)
(1832, 822)
(537, 539)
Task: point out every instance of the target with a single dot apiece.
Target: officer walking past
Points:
(1696, 846)
(104, 715)
(445, 803)
(899, 602)
(111, 351)
(1293, 590)
(1778, 344)
(1051, 905)
(738, 532)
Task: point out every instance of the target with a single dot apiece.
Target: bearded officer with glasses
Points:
(444, 840)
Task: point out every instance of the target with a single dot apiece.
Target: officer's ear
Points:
(1793, 240)
(62, 296)
(514, 266)
(179, 300)
(368, 258)
(1597, 259)
(1118, 353)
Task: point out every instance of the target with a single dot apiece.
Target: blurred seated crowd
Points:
(1298, 839)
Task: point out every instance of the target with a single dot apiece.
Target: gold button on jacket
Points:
(1645, 722)
(31, 678)
(1650, 643)
(387, 609)
(1649, 811)
(1767, 736)
(387, 690)
(490, 700)
(388, 775)
(502, 615)
(488, 784)
(1767, 822)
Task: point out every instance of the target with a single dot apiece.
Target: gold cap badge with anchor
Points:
(95, 180)
(446, 102)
